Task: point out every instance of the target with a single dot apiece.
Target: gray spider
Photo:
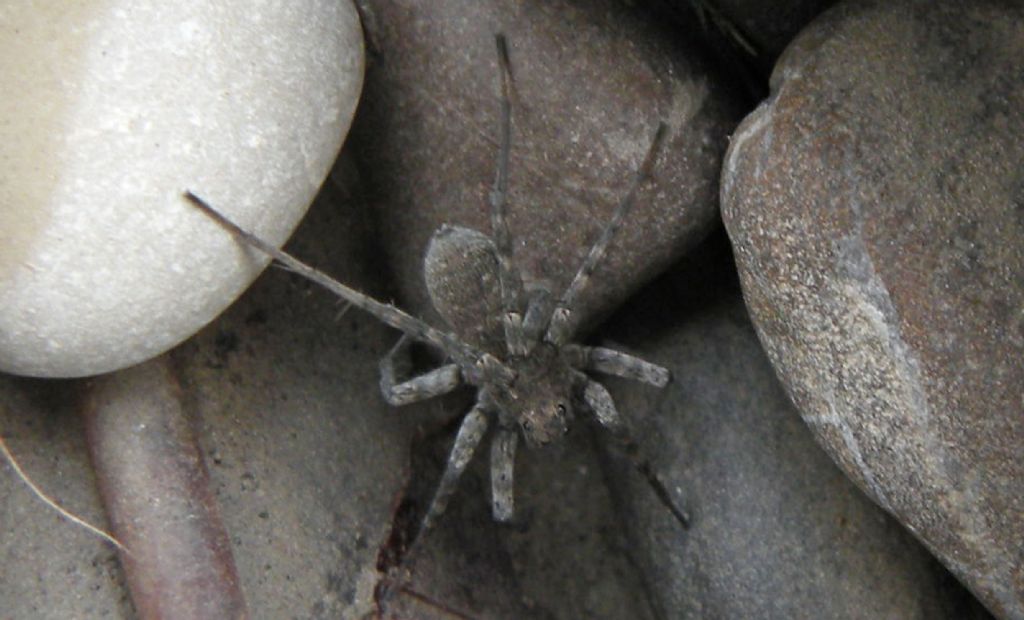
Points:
(530, 378)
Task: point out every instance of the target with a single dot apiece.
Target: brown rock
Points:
(592, 81)
(777, 530)
(875, 206)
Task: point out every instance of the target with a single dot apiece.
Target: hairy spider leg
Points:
(508, 277)
(561, 325)
(597, 398)
(472, 365)
(600, 402)
(437, 382)
(503, 458)
(612, 362)
(471, 432)
(538, 313)
(470, 360)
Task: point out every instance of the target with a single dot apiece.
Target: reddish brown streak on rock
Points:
(156, 490)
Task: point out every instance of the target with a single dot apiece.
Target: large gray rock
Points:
(777, 530)
(592, 81)
(875, 206)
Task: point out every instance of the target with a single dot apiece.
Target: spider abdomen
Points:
(461, 273)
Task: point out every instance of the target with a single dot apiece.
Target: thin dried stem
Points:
(46, 499)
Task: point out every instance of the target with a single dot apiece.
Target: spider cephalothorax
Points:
(511, 343)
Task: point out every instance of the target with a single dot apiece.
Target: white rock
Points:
(111, 109)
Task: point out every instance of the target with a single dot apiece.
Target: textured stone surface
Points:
(120, 107)
(592, 81)
(569, 561)
(50, 570)
(875, 205)
(777, 530)
(305, 457)
(311, 469)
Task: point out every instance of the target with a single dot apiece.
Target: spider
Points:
(529, 377)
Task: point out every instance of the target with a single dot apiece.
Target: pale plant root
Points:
(49, 501)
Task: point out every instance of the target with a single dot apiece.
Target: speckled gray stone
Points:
(777, 530)
(875, 206)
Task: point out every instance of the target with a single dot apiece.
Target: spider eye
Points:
(561, 409)
(527, 425)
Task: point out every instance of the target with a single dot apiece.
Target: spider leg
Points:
(538, 311)
(462, 353)
(600, 402)
(503, 458)
(612, 362)
(428, 385)
(511, 283)
(561, 320)
(597, 398)
(472, 430)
